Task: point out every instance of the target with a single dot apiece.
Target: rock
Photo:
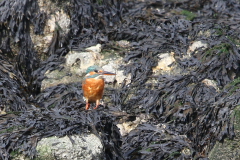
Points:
(112, 66)
(94, 49)
(89, 147)
(206, 33)
(2, 109)
(59, 77)
(123, 43)
(17, 156)
(120, 77)
(163, 64)
(59, 19)
(77, 63)
(212, 83)
(56, 18)
(196, 45)
(80, 61)
(126, 127)
(109, 68)
(186, 151)
(51, 148)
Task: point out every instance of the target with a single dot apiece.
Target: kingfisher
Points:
(93, 85)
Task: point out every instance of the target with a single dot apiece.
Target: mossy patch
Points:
(219, 32)
(108, 54)
(229, 148)
(13, 112)
(113, 49)
(99, 2)
(222, 48)
(173, 154)
(232, 86)
(234, 40)
(189, 15)
(14, 154)
(44, 151)
(236, 114)
(11, 129)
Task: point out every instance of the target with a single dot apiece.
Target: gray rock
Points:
(77, 63)
(109, 68)
(113, 66)
(120, 77)
(88, 147)
(80, 61)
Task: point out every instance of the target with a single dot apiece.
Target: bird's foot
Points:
(95, 107)
(87, 106)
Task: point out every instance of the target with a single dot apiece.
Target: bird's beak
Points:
(107, 73)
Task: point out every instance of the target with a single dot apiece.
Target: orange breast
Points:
(93, 89)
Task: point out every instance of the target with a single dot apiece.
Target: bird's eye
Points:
(96, 71)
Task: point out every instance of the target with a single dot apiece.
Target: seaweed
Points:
(184, 117)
